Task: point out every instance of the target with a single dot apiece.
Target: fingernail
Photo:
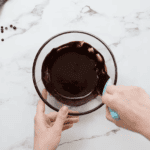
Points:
(64, 110)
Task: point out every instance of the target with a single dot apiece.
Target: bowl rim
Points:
(41, 48)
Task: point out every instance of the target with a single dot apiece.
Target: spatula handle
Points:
(113, 113)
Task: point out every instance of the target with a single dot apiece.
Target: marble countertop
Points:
(123, 25)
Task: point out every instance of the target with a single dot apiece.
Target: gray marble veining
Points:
(124, 26)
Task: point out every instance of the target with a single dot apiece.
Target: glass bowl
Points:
(63, 38)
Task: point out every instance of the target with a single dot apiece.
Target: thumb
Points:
(61, 118)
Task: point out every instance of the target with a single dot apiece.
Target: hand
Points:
(48, 127)
(132, 104)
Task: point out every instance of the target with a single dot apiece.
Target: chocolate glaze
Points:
(74, 70)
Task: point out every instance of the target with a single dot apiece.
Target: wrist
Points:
(146, 133)
(145, 129)
(39, 145)
(43, 146)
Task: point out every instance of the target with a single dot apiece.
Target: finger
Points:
(69, 116)
(65, 123)
(52, 116)
(111, 89)
(108, 115)
(61, 118)
(118, 123)
(67, 126)
(107, 99)
(70, 120)
(41, 104)
(73, 120)
(114, 89)
(112, 101)
(44, 93)
(40, 107)
(71, 111)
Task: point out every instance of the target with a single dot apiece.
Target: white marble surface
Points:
(123, 25)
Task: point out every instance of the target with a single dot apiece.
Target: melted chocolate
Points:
(74, 70)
